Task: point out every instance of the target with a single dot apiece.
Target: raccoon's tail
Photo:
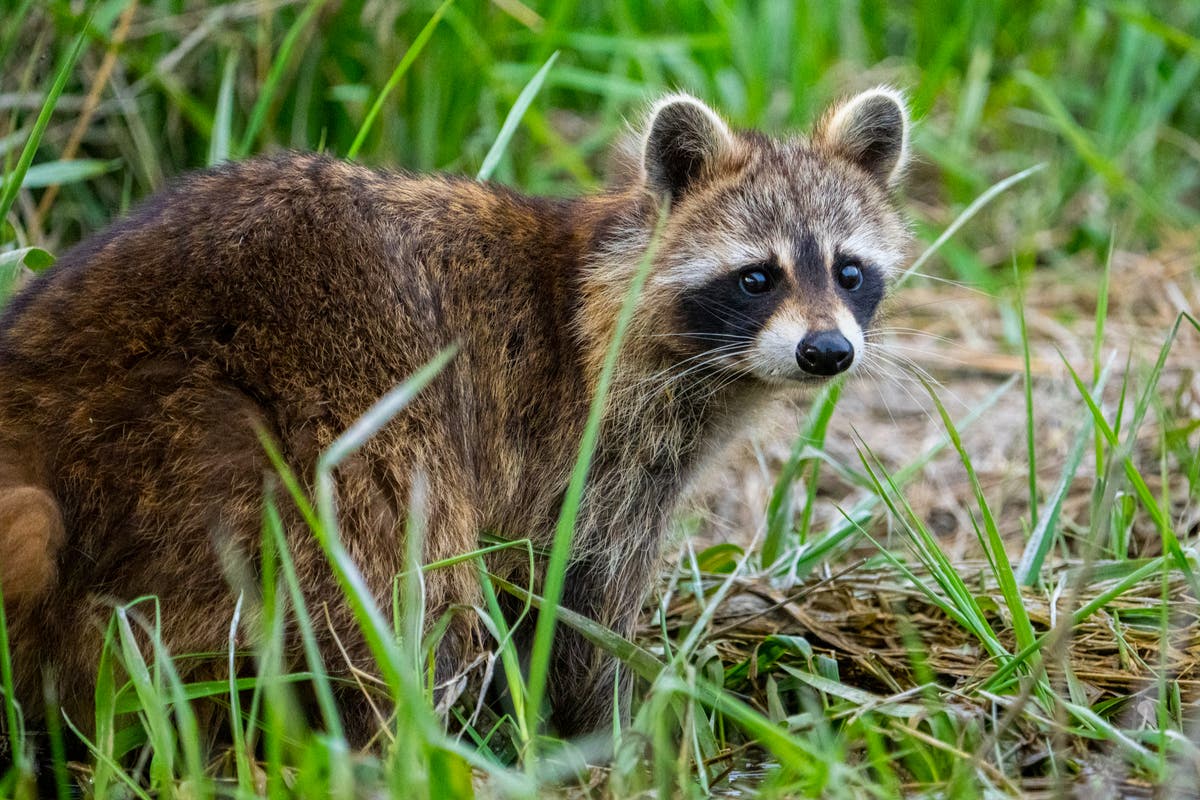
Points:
(31, 535)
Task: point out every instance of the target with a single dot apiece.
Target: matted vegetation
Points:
(970, 572)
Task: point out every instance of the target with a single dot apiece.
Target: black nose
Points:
(824, 353)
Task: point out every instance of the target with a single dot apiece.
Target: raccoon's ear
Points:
(870, 130)
(684, 141)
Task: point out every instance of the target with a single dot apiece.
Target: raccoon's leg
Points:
(364, 709)
(586, 683)
(31, 529)
(372, 514)
(452, 593)
(456, 595)
(169, 530)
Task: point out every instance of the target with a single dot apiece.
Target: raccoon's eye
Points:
(755, 281)
(850, 276)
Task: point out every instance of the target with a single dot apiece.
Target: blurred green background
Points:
(1104, 93)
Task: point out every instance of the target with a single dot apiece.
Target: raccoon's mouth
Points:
(794, 377)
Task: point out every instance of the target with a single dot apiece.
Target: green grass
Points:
(1048, 134)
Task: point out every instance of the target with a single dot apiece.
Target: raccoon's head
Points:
(775, 254)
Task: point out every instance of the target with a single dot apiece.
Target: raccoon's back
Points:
(290, 277)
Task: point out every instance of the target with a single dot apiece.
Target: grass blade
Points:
(560, 553)
(1098, 340)
(55, 173)
(270, 88)
(1040, 540)
(809, 556)
(1160, 517)
(1030, 449)
(964, 217)
(323, 522)
(14, 727)
(312, 653)
(15, 179)
(492, 159)
(222, 133)
(159, 729)
(642, 661)
(1087, 149)
(994, 543)
(410, 56)
(813, 436)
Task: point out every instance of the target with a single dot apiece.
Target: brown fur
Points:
(288, 294)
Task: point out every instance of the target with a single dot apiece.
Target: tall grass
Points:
(427, 86)
(1043, 130)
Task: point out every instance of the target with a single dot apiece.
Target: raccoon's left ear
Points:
(684, 141)
(871, 131)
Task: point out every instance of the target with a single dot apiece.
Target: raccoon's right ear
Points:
(684, 141)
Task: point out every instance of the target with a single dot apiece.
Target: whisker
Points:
(900, 348)
(877, 378)
(879, 333)
(970, 287)
(901, 382)
(653, 384)
(700, 335)
(722, 350)
(907, 364)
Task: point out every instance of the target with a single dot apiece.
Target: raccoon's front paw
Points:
(31, 532)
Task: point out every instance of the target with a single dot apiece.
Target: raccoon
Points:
(284, 295)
